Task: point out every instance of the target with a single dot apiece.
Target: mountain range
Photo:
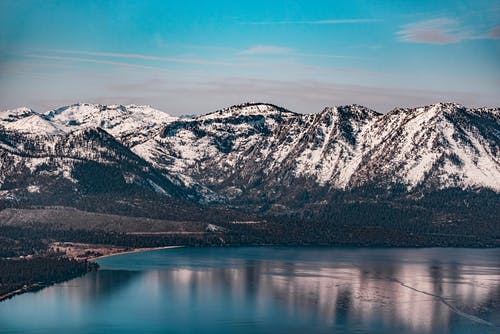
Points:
(253, 158)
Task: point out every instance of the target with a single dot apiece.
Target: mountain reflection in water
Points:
(281, 290)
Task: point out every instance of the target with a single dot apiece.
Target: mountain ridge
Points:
(262, 153)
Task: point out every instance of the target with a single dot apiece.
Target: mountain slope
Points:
(436, 147)
(85, 161)
(256, 150)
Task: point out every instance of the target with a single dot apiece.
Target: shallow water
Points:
(271, 290)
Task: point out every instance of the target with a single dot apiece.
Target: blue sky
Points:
(189, 57)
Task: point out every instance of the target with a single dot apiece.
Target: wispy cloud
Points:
(114, 59)
(144, 57)
(436, 31)
(323, 55)
(258, 66)
(442, 31)
(328, 21)
(495, 33)
(89, 60)
(280, 50)
(266, 50)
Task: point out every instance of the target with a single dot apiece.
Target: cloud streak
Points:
(317, 22)
(280, 50)
(436, 31)
(110, 58)
(442, 31)
(89, 60)
(266, 50)
(145, 57)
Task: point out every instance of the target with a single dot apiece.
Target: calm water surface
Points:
(271, 290)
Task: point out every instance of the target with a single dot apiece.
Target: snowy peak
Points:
(347, 119)
(15, 114)
(25, 120)
(248, 109)
(117, 119)
(352, 111)
(433, 110)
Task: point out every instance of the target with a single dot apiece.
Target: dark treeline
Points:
(364, 218)
(297, 233)
(28, 240)
(39, 272)
(13, 243)
(447, 217)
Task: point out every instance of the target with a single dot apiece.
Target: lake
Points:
(271, 290)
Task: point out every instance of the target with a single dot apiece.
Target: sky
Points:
(194, 57)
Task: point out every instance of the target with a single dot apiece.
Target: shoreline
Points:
(40, 286)
(91, 252)
(135, 250)
(27, 288)
(11, 294)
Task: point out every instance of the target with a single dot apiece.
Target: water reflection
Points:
(96, 286)
(389, 295)
(425, 293)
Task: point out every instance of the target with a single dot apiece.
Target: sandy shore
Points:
(91, 252)
(135, 250)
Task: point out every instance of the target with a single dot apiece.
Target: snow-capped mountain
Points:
(87, 160)
(443, 145)
(255, 152)
(439, 146)
(25, 120)
(118, 120)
